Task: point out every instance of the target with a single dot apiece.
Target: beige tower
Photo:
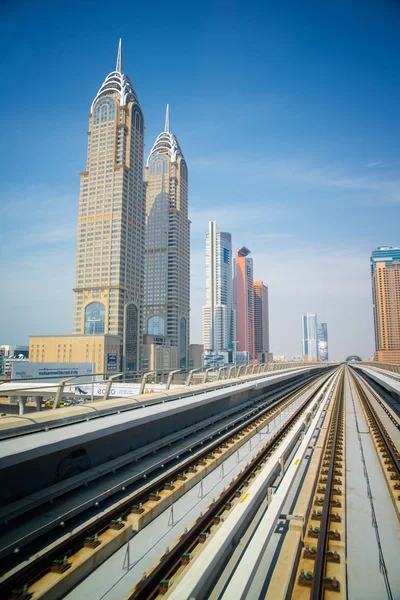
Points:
(386, 298)
(110, 251)
(261, 321)
(167, 288)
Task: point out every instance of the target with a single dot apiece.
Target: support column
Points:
(21, 402)
(38, 400)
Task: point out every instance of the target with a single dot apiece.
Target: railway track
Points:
(387, 451)
(58, 554)
(322, 563)
(174, 562)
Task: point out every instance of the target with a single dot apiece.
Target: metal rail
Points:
(335, 441)
(387, 446)
(149, 587)
(42, 564)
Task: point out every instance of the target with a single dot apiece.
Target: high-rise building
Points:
(385, 274)
(309, 338)
(243, 286)
(323, 342)
(261, 321)
(110, 251)
(167, 288)
(217, 312)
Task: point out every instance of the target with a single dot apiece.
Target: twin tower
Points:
(133, 251)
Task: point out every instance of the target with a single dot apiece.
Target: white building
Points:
(217, 312)
(310, 336)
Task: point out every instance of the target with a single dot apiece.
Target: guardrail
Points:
(393, 368)
(19, 390)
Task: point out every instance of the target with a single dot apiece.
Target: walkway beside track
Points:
(113, 580)
(364, 576)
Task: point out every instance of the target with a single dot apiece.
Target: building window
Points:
(104, 111)
(156, 325)
(94, 318)
(131, 338)
(182, 343)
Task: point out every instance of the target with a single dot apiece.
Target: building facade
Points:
(385, 276)
(261, 322)
(196, 356)
(217, 312)
(310, 337)
(244, 292)
(103, 351)
(323, 354)
(167, 282)
(109, 263)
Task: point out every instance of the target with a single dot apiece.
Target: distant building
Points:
(7, 350)
(243, 285)
(323, 354)
(261, 322)
(11, 353)
(217, 312)
(110, 251)
(167, 271)
(309, 337)
(102, 349)
(279, 358)
(159, 354)
(10, 363)
(242, 358)
(216, 359)
(385, 276)
(196, 356)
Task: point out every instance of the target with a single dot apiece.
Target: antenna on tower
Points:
(167, 119)
(119, 57)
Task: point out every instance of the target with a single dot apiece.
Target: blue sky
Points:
(287, 113)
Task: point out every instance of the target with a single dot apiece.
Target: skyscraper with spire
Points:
(109, 261)
(167, 287)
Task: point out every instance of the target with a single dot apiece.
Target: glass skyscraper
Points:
(309, 336)
(109, 262)
(323, 355)
(217, 312)
(261, 321)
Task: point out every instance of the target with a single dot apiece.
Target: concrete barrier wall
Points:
(48, 464)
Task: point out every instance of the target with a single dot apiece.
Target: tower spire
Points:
(167, 119)
(119, 57)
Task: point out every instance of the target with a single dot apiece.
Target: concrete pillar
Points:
(21, 402)
(38, 400)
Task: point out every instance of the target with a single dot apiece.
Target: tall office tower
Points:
(385, 274)
(217, 312)
(310, 333)
(110, 251)
(323, 342)
(167, 289)
(243, 285)
(261, 321)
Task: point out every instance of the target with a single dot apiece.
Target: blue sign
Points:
(112, 361)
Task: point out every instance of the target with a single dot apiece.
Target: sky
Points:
(288, 116)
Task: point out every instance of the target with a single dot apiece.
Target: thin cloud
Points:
(295, 171)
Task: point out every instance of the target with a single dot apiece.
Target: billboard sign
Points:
(111, 361)
(57, 371)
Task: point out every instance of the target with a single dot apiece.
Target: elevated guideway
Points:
(388, 378)
(46, 448)
(239, 410)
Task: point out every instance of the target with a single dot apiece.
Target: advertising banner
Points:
(112, 361)
(27, 370)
